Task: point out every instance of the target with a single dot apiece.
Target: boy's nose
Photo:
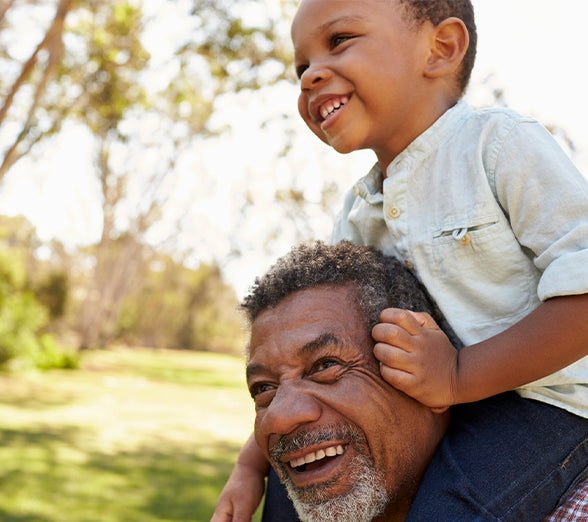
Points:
(290, 408)
(314, 75)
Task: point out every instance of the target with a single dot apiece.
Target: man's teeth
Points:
(317, 455)
(331, 107)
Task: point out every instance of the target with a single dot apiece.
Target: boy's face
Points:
(360, 66)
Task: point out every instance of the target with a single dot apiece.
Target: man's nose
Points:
(290, 408)
(313, 76)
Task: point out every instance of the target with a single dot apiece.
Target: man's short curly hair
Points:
(435, 11)
(380, 281)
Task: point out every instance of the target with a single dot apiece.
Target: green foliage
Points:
(110, 33)
(52, 292)
(20, 319)
(23, 318)
(185, 308)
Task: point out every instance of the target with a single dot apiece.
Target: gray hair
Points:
(380, 281)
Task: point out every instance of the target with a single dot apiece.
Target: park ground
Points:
(132, 435)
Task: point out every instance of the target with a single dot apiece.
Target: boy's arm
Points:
(244, 489)
(418, 359)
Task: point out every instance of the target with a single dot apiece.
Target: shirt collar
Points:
(430, 140)
(369, 187)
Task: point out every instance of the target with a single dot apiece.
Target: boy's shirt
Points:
(492, 216)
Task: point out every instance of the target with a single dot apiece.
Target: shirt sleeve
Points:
(546, 200)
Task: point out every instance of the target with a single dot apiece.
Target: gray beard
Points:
(366, 499)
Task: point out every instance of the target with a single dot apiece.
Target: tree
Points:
(91, 66)
(180, 307)
(23, 317)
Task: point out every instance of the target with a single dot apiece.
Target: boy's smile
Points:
(360, 64)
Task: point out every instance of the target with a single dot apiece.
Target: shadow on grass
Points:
(8, 517)
(20, 394)
(47, 475)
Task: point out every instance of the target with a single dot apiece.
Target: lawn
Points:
(134, 435)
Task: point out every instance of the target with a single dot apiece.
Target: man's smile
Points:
(326, 470)
(313, 456)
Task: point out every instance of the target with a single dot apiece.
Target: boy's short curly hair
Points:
(380, 281)
(435, 11)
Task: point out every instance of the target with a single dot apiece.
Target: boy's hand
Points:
(240, 496)
(416, 357)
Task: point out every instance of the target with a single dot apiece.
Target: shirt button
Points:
(394, 212)
(408, 264)
(465, 240)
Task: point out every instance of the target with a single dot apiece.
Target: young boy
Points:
(491, 215)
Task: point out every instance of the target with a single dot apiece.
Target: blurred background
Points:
(152, 163)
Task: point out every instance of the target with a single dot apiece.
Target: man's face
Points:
(360, 65)
(324, 416)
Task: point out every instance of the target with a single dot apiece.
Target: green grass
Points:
(134, 435)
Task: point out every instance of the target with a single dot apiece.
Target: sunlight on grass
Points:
(134, 435)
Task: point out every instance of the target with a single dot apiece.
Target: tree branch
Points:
(52, 42)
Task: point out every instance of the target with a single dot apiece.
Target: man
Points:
(346, 444)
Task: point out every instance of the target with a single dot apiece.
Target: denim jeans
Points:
(505, 458)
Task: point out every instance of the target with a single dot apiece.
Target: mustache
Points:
(306, 438)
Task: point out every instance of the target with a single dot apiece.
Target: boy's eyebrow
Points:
(324, 339)
(343, 19)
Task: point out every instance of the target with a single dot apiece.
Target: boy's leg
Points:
(278, 506)
(505, 458)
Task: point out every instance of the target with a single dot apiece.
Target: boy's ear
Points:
(449, 43)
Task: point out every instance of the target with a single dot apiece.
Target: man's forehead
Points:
(308, 318)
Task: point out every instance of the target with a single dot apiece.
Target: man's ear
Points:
(449, 43)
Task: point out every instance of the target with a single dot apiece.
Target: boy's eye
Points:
(300, 70)
(338, 39)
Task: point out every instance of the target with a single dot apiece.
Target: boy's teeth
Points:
(332, 107)
(317, 455)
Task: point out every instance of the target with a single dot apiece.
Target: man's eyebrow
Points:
(324, 339)
(253, 369)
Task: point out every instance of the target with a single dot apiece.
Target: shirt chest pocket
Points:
(483, 267)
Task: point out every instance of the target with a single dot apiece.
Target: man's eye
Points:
(259, 388)
(325, 364)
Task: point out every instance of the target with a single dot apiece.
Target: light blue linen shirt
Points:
(492, 216)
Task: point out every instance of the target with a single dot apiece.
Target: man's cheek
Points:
(261, 439)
